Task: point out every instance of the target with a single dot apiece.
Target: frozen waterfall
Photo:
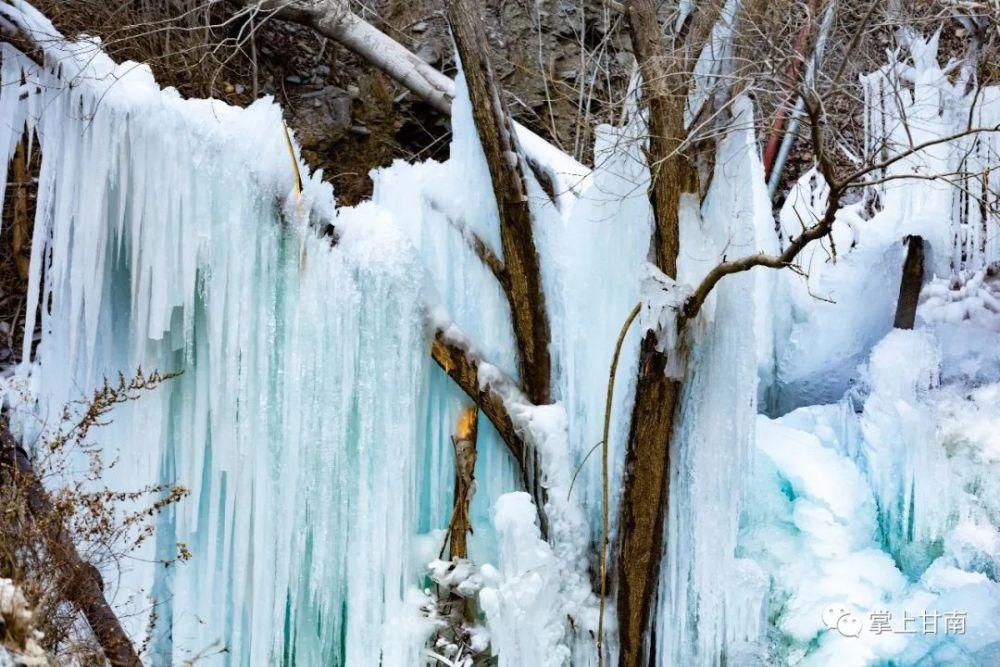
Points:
(313, 430)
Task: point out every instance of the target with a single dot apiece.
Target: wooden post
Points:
(909, 286)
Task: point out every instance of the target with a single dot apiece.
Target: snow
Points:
(662, 302)
(521, 601)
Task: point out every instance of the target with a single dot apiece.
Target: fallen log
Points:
(335, 20)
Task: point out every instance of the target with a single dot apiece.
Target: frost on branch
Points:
(663, 300)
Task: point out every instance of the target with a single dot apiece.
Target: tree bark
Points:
(646, 481)
(506, 165)
(909, 286)
(465, 478)
(81, 582)
(20, 231)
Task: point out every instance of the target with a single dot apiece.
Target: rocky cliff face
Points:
(563, 65)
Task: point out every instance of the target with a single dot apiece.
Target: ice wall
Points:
(308, 424)
(168, 236)
(874, 528)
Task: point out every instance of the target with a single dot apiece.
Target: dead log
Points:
(81, 583)
(335, 20)
(912, 281)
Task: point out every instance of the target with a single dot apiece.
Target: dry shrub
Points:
(193, 45)
(103, 525)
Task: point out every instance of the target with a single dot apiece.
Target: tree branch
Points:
(478, 246)
(506, 165)
(461, 363)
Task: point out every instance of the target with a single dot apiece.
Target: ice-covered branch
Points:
(462, 363)
(507, 173)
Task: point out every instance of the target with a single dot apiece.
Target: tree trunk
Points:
(646, 480)
(521, 267)
(506, 164)
(81, 582)
(20, 232)
(909, 286)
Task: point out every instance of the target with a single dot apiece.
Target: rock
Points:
(324, 121)
(321, 71)
(419, 27)
(293, 78)
(360, 130)
(354, 91)
(429, 53)
(240, 89)
(326, 92)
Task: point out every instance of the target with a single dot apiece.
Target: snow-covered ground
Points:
(878, 517)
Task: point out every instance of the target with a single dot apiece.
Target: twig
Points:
(605, 522)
